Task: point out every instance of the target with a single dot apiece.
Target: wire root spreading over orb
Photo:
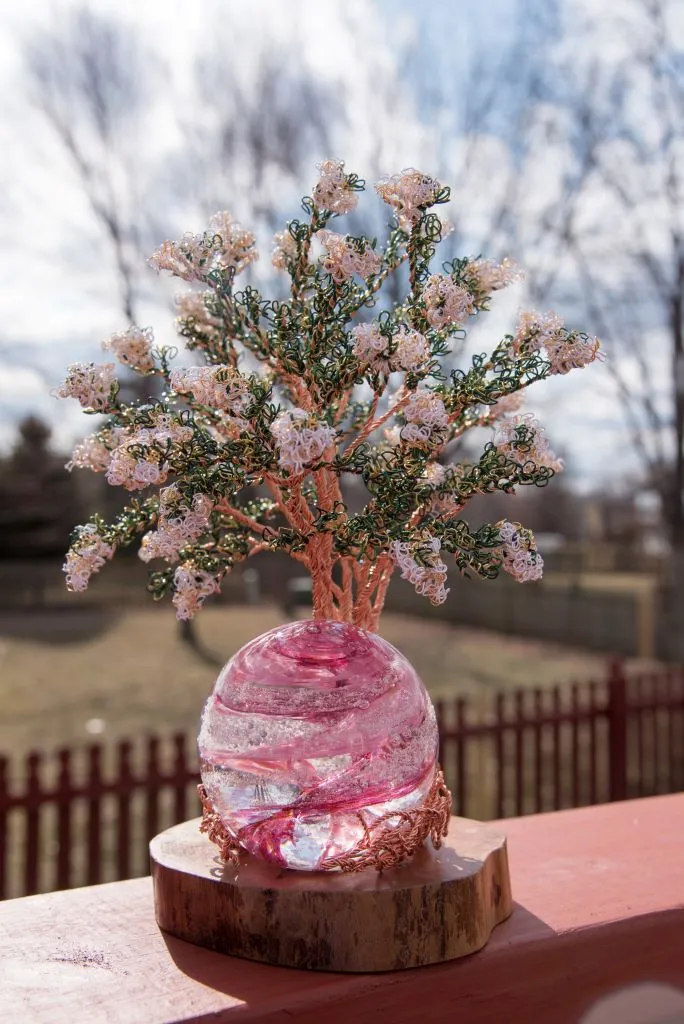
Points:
(386, 843)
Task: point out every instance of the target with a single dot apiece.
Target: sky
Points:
(59, 296)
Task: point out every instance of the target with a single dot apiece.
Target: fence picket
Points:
(679, 745)
(676, 729)
(617, 731)
(461, 729)
(655, 735)
(32, 835)
(593, 715)
(557, 796)
(499, 746)
(180, 779)
(94, 827)
(124, 786)
(4, 837)
(538, 748)
(519, 750)
(639, 712)
(153, 776)
(64, 803)
(443, 744)
(575, 740)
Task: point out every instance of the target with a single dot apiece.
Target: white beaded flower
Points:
(191, 587)
(193, 312)
(507, 438)
(133, 348)
(94, 452)
(94, 385)
(409, 194)
(226, 245)
(536, 330)
(220, 387)
(86, 556)
(425, 416)
(490, 276)
(344, 257)
(428, 575)
(177, 526)
(332, 191)
(521, 560)
(139, 460)
(446, 303)
(300, 439)
(284, 251)
(411, 349)
(507, 405)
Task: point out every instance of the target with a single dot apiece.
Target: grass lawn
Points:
(136, 676)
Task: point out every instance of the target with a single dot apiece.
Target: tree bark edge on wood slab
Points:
(442, 905)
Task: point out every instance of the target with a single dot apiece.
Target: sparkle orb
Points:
(313, 731)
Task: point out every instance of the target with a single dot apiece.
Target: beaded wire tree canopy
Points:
(295, 394)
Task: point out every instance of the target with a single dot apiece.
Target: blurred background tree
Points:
(91, 78)
(610, 240)
(38, 498)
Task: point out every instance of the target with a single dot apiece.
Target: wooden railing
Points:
(595, 937)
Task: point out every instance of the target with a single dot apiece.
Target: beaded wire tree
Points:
(318, 745)
(296, 393)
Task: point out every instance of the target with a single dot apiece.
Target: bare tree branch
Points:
(630, 270)
(85, 77)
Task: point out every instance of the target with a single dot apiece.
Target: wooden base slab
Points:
(442, 905)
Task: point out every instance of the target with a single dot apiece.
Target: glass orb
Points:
(312, 730)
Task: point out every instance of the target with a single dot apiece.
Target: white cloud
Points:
(17, 382)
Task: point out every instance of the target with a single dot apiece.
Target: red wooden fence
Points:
(74, 782)
(86, 815)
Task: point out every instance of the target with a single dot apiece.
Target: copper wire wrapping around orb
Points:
(386, 843)
(318, 751)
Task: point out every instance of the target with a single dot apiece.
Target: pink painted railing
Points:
(595, 938)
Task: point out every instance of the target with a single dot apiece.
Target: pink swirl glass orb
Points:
(312, 729)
